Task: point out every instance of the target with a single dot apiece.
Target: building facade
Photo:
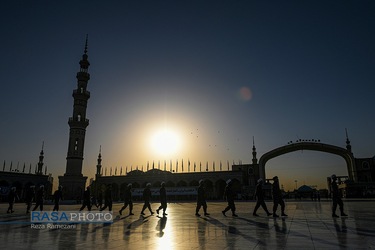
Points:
(22, 180)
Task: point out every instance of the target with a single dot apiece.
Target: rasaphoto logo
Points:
(71, 217)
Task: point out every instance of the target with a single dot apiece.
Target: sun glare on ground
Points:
(165, 142)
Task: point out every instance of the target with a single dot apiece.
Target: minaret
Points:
(73, 181)
(99, 165)
(40, 163)
(348, 146)
(255, 160)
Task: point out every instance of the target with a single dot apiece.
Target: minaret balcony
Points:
(83, 76)
(83, 123)
(81, 92)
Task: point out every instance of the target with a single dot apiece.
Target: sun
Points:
(165, 142)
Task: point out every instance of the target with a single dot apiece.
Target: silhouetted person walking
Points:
(336, 199)
(229, 195)
(30, 196)
(163, 199)
(147, 198)
(11, 199)
(128, 201)
(86, 202)
(100, 200)
(259, 195)
(39, 198)
(277, 197)
(201, 199)
(57, 196)
(107, 198)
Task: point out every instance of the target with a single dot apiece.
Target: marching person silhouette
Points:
(229, 195)
(57, 196)
(30, 196)
(277, 197)
(107, 198)
(39, 198)
(86, 199)
(128, 201)
(12, 196)
(201, 199)
(147, 198)
(259, 195)
(336, 199)
(163, 200)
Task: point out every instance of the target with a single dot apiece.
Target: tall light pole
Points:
(296, 183)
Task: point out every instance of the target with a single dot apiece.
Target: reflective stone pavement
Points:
(308, 226)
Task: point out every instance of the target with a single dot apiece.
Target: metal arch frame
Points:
(313, 146)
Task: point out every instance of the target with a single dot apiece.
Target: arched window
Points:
(76, 145)
(79, 117)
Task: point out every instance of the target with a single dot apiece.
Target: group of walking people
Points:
(229, 194)
(128, 201)
(30, 196)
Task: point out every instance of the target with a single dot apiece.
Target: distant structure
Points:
(23, 179)
(73, 181)
(180, 185)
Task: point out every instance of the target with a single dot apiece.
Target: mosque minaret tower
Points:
(73, 181)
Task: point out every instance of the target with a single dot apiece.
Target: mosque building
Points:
(360, 181)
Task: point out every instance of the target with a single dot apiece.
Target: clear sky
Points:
(212, 74)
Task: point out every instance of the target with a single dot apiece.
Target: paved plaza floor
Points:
(308, 226)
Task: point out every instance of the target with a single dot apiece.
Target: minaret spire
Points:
(99, 165)
(87, 39)
(255, 160)
(40, 163)
(348, 146)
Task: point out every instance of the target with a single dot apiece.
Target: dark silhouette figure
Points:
(107, 198)
(229, 195)
(86, 199)
(201, 199)
(163, 199)
(57, 196)
(39, 198)
(30, 196)
(259, 195)
(147, 198)
(336, 199)
(11, 199)
(277, 197)
(100, 200)
(128, 200)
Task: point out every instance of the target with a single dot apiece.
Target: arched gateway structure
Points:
(314, 146)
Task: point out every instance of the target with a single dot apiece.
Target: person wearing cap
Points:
(57, 196)
(147, 198)
(86, 199)
(39, 198)
(163, 199)
(336, 199)
(277, 197)
(229, 195)
(11, 199)
(201, 200)
(259, 196)
(30, 196)
(107, 198)
(128, 201)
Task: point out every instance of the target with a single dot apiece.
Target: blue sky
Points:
(308, 66)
